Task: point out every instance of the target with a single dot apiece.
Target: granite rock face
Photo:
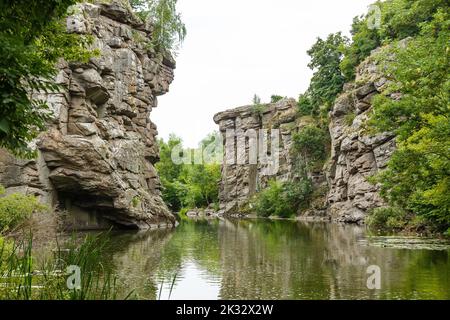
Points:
(248, 131)
(356, 155)
(97, 158)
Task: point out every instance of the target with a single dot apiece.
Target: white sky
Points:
(236, 48)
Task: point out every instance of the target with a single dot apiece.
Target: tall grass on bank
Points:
(23, 278)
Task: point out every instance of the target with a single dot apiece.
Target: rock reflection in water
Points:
(260, 259)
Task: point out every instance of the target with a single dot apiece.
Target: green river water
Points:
(263, 259)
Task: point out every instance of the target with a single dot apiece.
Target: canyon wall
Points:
(255, 127)
(355, 154)
(96, 160)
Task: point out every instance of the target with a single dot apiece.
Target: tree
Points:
(33, 38)
(256, 99)
(169, 30)
(327, 80)
(417, 178)
(364, 40)
(276, 98)
(189, 185)
(399, 19)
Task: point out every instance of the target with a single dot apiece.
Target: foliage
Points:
(169, 30)
(305, 105)
(399, 19)
(311, 143)
(327, 80)
(364, 40)
(387, 219)
(258, 107)
(16, 208)
(417, 177)
(24, 278)
(276, 98)
(349, 117)
(190, 185)
(282, 199)
(33, 38)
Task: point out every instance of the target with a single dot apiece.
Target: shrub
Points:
(282, 199)
(275, 98)
(16, 208)
(311, 143)
(348, 119)
(388, 219)
(305, 105)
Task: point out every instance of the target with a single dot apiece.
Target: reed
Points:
(22, 277)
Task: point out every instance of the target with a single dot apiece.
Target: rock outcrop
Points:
(97, 158)
(255, 131)
(355, 154)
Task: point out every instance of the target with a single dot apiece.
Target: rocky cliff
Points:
(254, 130)
(96, 161)
(355, 154)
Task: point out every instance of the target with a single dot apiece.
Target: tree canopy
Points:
(33, 38)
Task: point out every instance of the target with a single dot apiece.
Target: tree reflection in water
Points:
(262, 259)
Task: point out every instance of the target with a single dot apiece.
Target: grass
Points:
(22, 277)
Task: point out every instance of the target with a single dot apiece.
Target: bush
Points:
(16, 208)
(282, 199)
(311, 143)
(275, 98)
(388, 219)
(348, 119)
(399, 19)
(305, 105)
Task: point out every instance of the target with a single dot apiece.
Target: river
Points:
(263, 259)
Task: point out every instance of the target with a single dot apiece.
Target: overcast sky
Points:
(237, 48)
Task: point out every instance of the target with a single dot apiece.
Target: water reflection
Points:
(258, 259)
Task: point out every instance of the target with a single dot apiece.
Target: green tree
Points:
(399, 19)
(327, 80)
(275, 98)
(417, 178)
(364, 40)
(33, 38)
(190, 185)
(169, 30)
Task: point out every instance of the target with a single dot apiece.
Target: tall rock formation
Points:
(254, 129)
(97, 158)
(355, 154)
